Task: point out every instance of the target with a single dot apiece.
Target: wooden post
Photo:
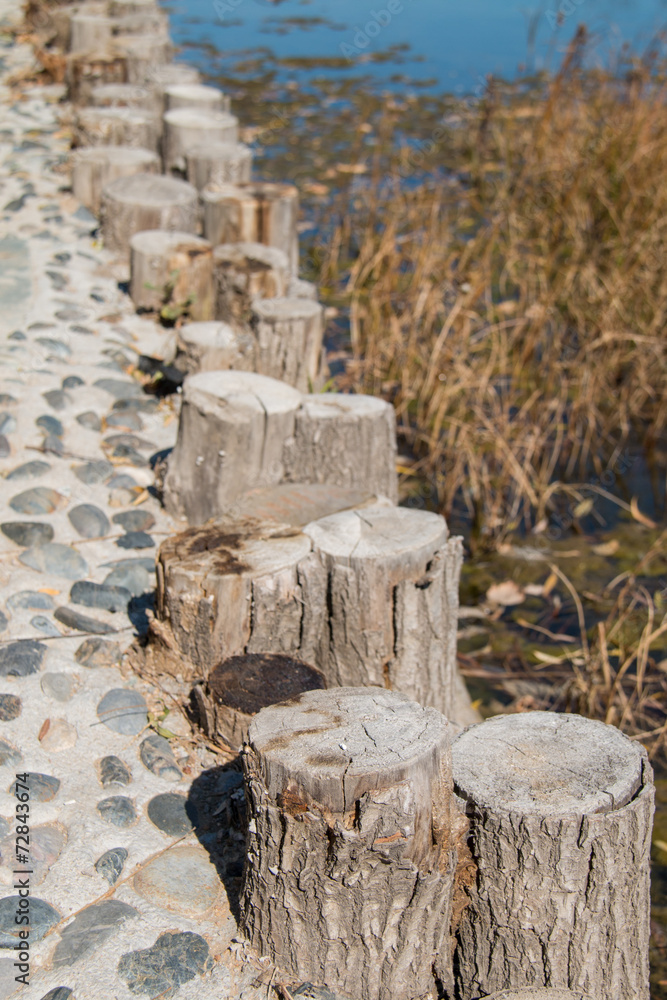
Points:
(143, 201)
(121, 95)
(117, 126)
(349, 860)
(143, 53)
(342, 438)
(208, 347)
(231, 435)
(560, 810)
(87, 70)
(188, 127)
(88, 31)
(241, 686)
(197, 96)
(125, 8)
(218, 163)
(96, 166)
(300, 289)
(289, 335)
(254, 212)
(160, 77)
(172, 268)
(243, 272)
(391, 580)
(151, 21)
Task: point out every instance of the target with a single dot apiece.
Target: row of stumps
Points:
(389, 854)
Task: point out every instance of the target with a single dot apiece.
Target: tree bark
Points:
(161, 77)
(349, 862)
(289, 335)
(95, 167)
(300, 289)
(213, 346)
(196, 96)
(244, 272)
(560, 811)
(144, 53)
(88, 31)
(160, 259)
(539, 994)
(121, 95)
(218, 163)
(242, 686)
(254, 212)
(88, 70)
(133, 204)
(342, 438)
(188, 127)
(109, 126)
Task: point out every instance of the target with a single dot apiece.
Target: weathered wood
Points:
(57, 29)
(254, 212)
(88, 31)
(539, 993)
(124, 8)
(197, 96)
(143, 53)
(297, 504)
(560, 810)
(300, 289)
(214, 346)
(172, 268)
(188, 127)
(231, 434)
(149, 21)
(133, 204)
(243, 272)
(342, 438)
(159, 78)
(218, 163)
(121, 95)
(289, 335)
(241, 686)
(349, 860)
(87, 70)
(391, 578)
(116, 126)
(96, 166)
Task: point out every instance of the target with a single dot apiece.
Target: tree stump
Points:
(241, 686)
(243, 272)
(300, 289)
(231, 435)
(59, 25)
(218, 163)
(208, 347)
(196, 96)
(87, 70)
(121, 95)
(188, 127)
(117, 126)
(143, 201)
(96, 166)
(391, 579)
(172, 268)
(341, 438)
(538, 993)
(88, 31)
(125, 8)
(143, 53)
(349, 860)
(560, 810)
(161, 77)
(253, 212)
(289, 335)
(151, 21)
(297, 504)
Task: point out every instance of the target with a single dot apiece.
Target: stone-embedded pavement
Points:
(125, 899)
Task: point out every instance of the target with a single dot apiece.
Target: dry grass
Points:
(514, 311)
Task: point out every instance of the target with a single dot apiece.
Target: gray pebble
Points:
(10, 707)
(174, 959)
(135, 540)
(45, 626)
(5, 448)
(61, 560)
(110, 865)
(27, 533)
(157, 756)
(60, 687)
(142, 403)
(95, 652)
(122, 482)
(89, 521)
(128, 441)
(56, 398)
(99, 595)
(114, 772)
(21, 658)
(91, 473)
(89, 930)
(7, 423)
(33, 600)
(70, 315)
(38, 500)
(52, 445)
(6, 399)
(72, 382)
(29, 470)
(9, 756)
(169, 813)
(43, 917)
(123, 710)
(4, 621)
(56, 348)
(81, 329)
(51, 425)
(90, 420)
(129, 455)
(127, 419)
(134, 520)
(118, 810)
(59, 993)
(120, 389)
(43, 787)
(82, 623)
(135, 578)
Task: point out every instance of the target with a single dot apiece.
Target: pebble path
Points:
(125, 829)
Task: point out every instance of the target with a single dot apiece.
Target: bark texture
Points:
(560, 812)
(349, 864)
(88, 31)
(95, 167)
(143, 53)
(289, 335)
(133, 204)
(213, 346)
(539, 994)
(340, 438)
(88, 70)
(188, 127)
(161, 77)
(195, 95)
(116, 126)
(244, 272)
(256, 213)
(121, 95)
(218, 163)
(172, 268)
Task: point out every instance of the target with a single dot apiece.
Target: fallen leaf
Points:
(506, 593)
(606, 548)
(638, 516)
(46, 725)
(549, 584)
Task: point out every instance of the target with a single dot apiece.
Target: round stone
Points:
(46, 844)
(38, 500)
(51, 425)
(72, 382)
(183, 880)
(60, 560)
(82, 623)
(5, 448)
(34, 600)
(9, 756)
(90, 420)
(95, 652)
(134, 520)
(117, 810)
(60, 687)
(7, 423)
(122, 482)
(21, 658)
(174, 959)
(123, 710)
(57, 734)
(4, 621)
(157, 756)
(100, 595)
(92, 473)
(135, 578)
(27, 533)
(10, 707)
(125, 419)
(29, 470)
(56, 398)
(135, 540)
(45, 626)
(42, 787)
(110, 865)
(112, 771)
(59, 993)
(169, 813)
(89, 521)
(89, 930)
(43, 917)
(119, 389)
(546, 764)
